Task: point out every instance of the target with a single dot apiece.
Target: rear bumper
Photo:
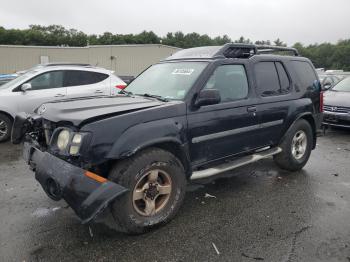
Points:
(60, 179)
(336, 119)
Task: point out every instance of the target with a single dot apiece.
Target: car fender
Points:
(8, 111)
(147, 134)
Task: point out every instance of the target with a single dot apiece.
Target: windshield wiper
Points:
(160, 98)
(124, 92)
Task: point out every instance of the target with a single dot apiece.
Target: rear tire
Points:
(296, 147)
(156, 182)
(5, 127)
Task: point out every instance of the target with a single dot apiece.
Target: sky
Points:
(305, 21)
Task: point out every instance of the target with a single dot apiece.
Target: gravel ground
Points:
(258, 212)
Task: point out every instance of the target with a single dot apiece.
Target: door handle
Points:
(59, 95)
(251, 109)
(98, 92)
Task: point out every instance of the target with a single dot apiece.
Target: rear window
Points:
(78, 78)
(305, 74)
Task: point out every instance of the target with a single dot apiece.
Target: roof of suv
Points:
(230, 50)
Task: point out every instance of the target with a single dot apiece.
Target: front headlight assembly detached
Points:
(68, 141)
(63, 139)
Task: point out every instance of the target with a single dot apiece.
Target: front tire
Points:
(156, 182)
(5, 128)
(296, 147)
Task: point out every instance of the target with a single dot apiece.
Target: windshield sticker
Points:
(183, 71)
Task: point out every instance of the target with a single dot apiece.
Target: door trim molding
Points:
(236, 131)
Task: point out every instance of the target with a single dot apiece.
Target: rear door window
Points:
(79, 78)
(271, 79)
(267, 79)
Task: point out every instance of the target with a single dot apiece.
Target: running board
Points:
(235, 163)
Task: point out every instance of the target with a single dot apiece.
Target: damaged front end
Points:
(63, 176)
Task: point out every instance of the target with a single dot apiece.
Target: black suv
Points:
(198, 113)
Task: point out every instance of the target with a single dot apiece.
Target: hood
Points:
(81, 110)
(337, 98)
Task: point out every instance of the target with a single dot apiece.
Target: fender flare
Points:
(306, 116)
(147, 134)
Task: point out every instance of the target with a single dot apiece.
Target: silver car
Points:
(43, 84)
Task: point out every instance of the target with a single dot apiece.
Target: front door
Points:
(227, 128)
(46, 87)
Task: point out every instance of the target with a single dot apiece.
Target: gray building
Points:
(127, 60)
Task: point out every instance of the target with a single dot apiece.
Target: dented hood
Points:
(81, 110)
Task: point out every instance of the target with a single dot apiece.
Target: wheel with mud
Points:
(156, 182)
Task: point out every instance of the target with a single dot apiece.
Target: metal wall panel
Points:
(123, 59)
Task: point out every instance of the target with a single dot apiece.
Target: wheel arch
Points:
(7, 114)
(311, 120)
(171, 145)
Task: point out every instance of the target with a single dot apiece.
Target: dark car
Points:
(337, 105)
(201, 112)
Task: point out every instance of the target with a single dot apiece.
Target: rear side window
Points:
(305, 74)
(78, 78)
(231, 81)
(272, 79)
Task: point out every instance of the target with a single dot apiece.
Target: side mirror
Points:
(327, 85)
(26, 86)
(208, 97)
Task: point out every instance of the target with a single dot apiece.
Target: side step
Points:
(235, 163)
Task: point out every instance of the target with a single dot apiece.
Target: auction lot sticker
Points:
(183, 71)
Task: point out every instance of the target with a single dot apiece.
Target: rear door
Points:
(81, 83)
(227, 128)
(46, 87)
(274, 91)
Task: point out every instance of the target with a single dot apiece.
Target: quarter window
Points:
(79, 78)
(231, 81)
(305, 73)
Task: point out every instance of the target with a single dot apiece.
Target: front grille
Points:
(336, 109)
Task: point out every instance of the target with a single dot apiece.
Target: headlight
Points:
(63, 139)
(76, 141)
(68, 142)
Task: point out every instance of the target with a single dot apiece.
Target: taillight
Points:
(120, 86)
(321, 102)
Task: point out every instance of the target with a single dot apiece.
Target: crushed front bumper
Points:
(60, 179)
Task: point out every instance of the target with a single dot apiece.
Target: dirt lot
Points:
(258, 213)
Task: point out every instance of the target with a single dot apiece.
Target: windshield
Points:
(168, 80)
(343, 85)
(17, 80)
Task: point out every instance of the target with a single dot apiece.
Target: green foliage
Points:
(326, 55)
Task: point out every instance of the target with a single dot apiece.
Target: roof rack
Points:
(65, 64)
(234, 50)
(230, 50)
(267, 49)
